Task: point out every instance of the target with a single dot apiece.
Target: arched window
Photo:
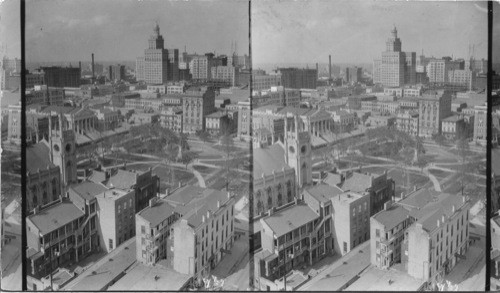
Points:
(260, 207)
(259, 195)
(44, 198)
(54, 188)
(269, 202)
(35, 201)
(280, 199)
(289, 191)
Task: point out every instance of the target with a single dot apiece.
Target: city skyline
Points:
(121, 31)
(331, 30)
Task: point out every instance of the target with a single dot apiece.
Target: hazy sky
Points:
(10, 28)
(356, 31)
(69, 30)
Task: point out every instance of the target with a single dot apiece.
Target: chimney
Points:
(218, 204)
(317, 71)
(387, 205)
(203, 219)
(330, 67)
(80, 66)
(35, 210)
(438, 223)
(152, 201)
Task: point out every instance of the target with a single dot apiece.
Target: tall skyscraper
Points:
(156, 59)
(396, 68)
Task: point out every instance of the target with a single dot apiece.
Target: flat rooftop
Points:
(56, 216)
(324, 192)
(112, 194)
(290, 218)
(394, 279)
(341, 272)
(346, 198)
(142, 278)
(157, 213)
(100, 275)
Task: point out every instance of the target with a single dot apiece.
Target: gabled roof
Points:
(38, 157)
(55, 217)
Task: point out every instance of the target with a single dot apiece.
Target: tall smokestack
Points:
(80, 66)
(92, 68)
(317, 71)
(330, 67)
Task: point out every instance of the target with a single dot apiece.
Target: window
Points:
(345, 246)
(110, 243)
(143, 229)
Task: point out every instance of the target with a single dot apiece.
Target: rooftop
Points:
(419, 198)
(453, 118)
(434, 210)
(324, 192)
(358, 182)
(142, 277)
(193, 202)
(38, 157)
(157, 213)
(290, 218)
(267, 159)
(123, 179)
(218, 114)
(112, 194)
(391, 217)
(88, 190)
(56, 216)
(57, 109)
(99, 276)
(346, 197)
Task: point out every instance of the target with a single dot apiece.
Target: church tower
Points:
(62, 143)
(298, 151)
